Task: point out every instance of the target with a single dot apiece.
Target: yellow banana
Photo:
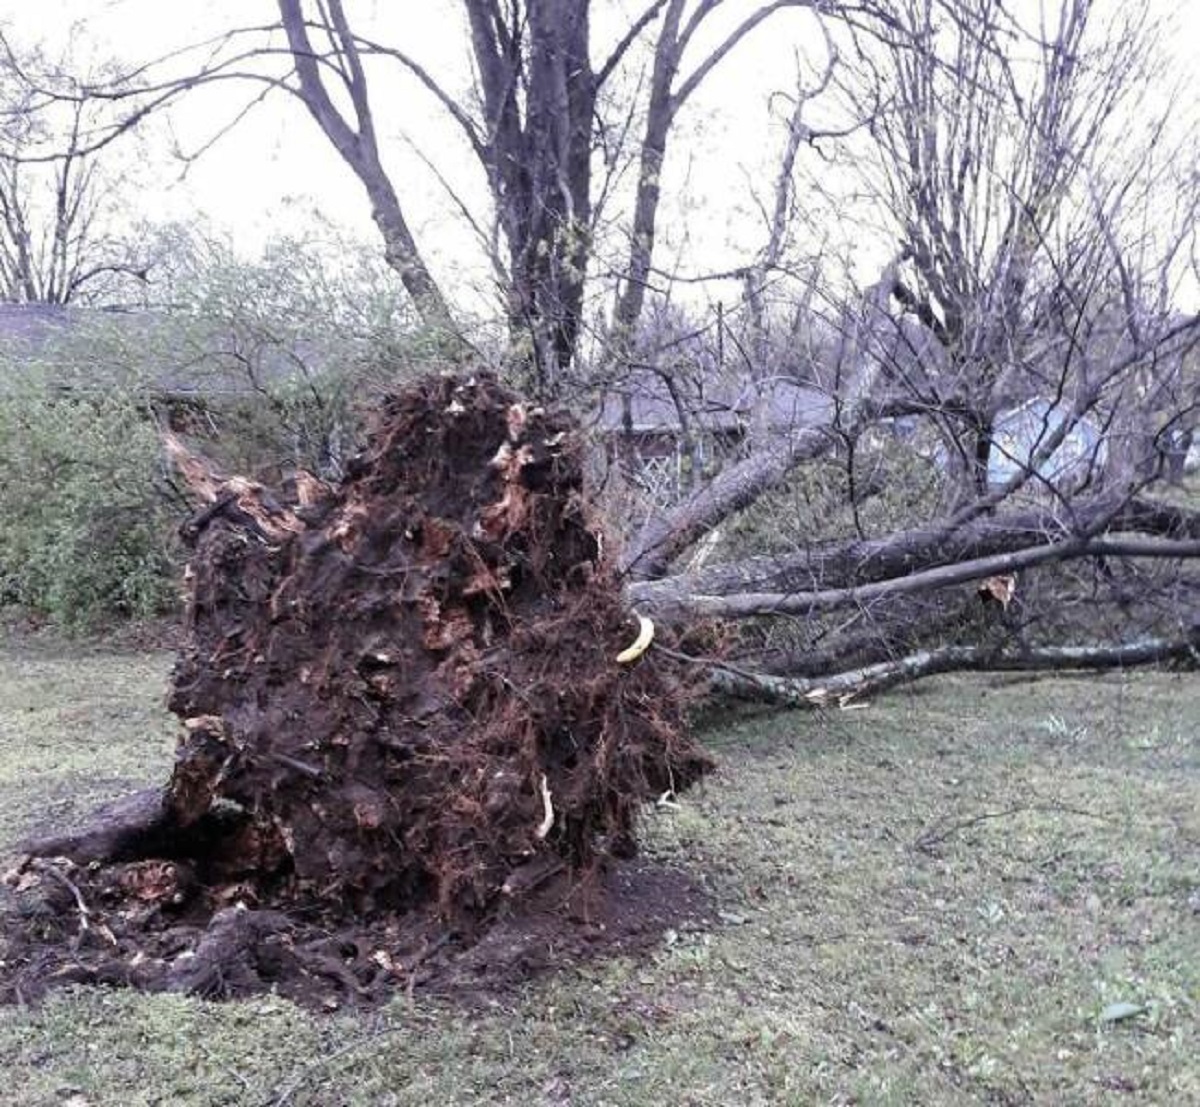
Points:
(640, 644)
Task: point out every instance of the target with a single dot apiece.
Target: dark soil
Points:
(328, 961)
(409, 754)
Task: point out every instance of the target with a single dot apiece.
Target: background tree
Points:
(534, 124)
(59, 216)
(1001, 156)
(1000, 180)
(270, 363)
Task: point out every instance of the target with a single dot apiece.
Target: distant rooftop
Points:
(30, 325)
(211, 361)
(725, 405)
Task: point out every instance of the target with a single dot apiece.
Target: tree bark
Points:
(660, 114)
(843, 688)
(666, 536)
(865, 561)
(539, 99)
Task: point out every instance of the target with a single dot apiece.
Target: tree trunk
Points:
(358, 148)
(664, 537)
(837, 565)
(539, 119)
(660, 114)
(843, 688)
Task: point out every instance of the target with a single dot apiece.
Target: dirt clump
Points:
(403, 718)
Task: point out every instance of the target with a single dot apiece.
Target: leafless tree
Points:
(1004, 158)
(1033, 260)
(57, 241)
(535, 124)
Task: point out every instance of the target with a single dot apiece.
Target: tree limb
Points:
(843, 688)
(863, 561)
(752, 604)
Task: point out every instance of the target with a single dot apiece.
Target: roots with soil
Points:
(402, 711)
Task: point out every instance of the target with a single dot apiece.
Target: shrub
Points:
(894, 487)
(266, 364)
(88, 521)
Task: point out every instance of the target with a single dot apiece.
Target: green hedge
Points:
(87, 521)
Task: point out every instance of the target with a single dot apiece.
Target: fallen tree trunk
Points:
(672, 603)
(878, 633)
(668, 534)
(834, 565)
(846, 687)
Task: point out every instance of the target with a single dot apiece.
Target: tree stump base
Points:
(402, 712)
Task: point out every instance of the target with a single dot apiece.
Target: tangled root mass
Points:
(401, 712)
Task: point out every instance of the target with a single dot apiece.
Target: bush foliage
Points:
(264, 365)
(88, 520)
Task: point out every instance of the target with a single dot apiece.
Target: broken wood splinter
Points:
(548, 818)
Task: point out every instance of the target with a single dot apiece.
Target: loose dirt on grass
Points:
(971, 892)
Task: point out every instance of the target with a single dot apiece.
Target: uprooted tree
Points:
(1041, 253)
(1025, 338)
(1025, 344)
(403, 702)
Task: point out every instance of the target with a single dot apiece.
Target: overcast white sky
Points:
(276, 173)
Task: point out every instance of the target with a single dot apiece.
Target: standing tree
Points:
(535, 124)
(536, 131)
(1000, 157)
(57, 240)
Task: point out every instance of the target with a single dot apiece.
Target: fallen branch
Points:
(935, 835)
(751, 604)
(798, 692)
(321, 1063)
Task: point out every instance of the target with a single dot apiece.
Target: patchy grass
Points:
(933, 900)
(78, 727)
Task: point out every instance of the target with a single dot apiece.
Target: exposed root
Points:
(55, 873)
(547, 822)
(373, 675)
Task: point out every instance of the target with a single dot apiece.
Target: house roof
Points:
(726, 404)
(27, 327)
(93, 347)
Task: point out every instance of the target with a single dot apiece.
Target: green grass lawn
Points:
(938, 899)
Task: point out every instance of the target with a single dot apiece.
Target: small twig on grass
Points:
(927, 839)
(231, 1071)
(324, 1062)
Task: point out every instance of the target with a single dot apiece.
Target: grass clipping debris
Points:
(402, 708)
